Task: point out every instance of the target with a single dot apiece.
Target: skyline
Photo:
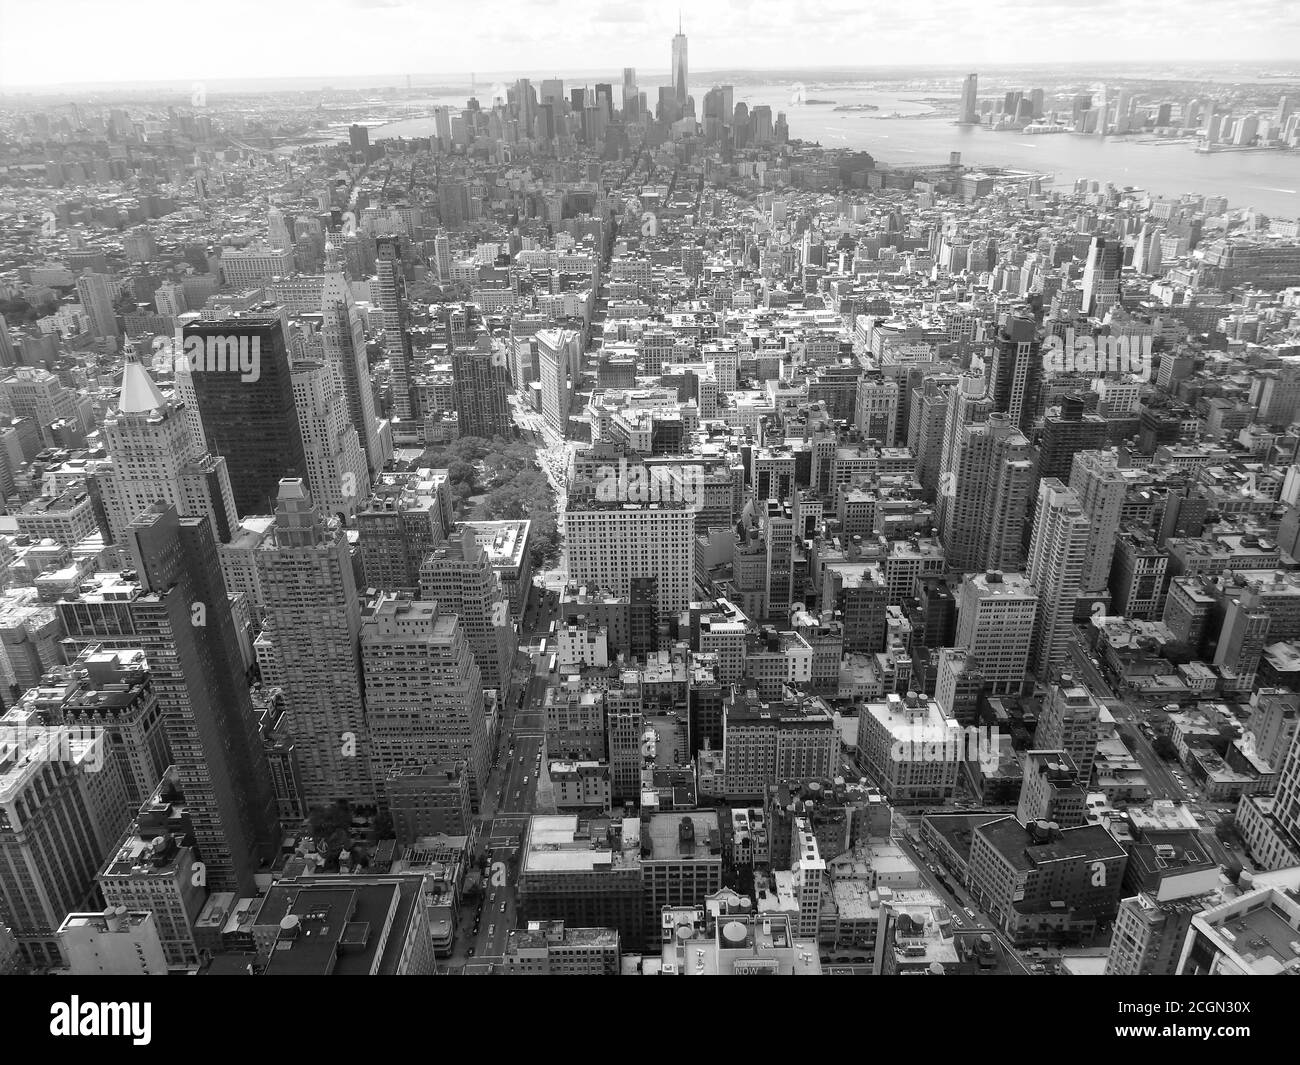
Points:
(724, 34)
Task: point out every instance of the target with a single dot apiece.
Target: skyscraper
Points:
(995, 627)
(558, 354)
(990, 496)
(390, 294)
(482, 384)
(337, 475)
(679, 66)
(343, 342)
(312, 603)
(1017, 370)
(93, 292)
(459, 576)
(248, 415)
(424, 692)
(188, 636)
(1101, 276)
(969, 101)
(1055, 566)
(155, 459)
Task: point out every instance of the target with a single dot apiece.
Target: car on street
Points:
(503, 907)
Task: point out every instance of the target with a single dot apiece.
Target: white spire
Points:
(139, 393)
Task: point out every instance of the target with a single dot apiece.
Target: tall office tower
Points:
(458, 575)
(343, 344)
(424, 692)
(1102, 275)
(155, 459)
(109, 689)
(1101, 112)
(611, 544)
(1017, 371)
(442, 255)
(1055, 567)
(631, 94)
(279, 235)
(996, 613)
(482, 384)
(1102, 487)
(390, 295)
(969, 101)
(244, 393)
(63, 805)
(559, 358)
(312, 603)
(95, 297)
(969, 404)
(359, 141)
(925, 430)
(189, 639)
(679, 66)
(337, 475)
(397, 528)
(1070, 721)
(1069, 430)
(990, 495)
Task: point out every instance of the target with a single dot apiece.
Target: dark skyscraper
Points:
(1017, 372)
(482, 386)
(246, 406)
(183, 620)
(1101, 276)
(359, 140)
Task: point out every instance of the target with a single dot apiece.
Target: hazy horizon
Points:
(109, 45)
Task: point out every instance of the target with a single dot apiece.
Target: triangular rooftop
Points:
(139, 393)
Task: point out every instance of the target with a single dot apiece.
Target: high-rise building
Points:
(611, 544)
(154, 868)
(406, 517)
(458, 576)
(1070, 721)
(559, 354)
(243, 389)
(311, 600)
(970, 101)
(97, 299)
(1101, 276)
(1286, 807)
(680, 91)
(1055, 567)
(424, 693)
(995, 626)
(989, 496)
(482, 388)
(109, 689)
(1017, 370)
(184, 623)
(156, 460)
(63, 806)
(337, 474)
(343, 343)
(390, 295)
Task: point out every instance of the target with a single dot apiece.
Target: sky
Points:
(94, 41)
